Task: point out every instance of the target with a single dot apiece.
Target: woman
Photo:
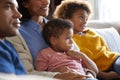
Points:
(30, 40)
(78, 12)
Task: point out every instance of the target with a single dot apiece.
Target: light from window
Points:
(109, 10)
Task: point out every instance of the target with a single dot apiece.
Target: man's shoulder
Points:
(6, 49)
(4, 43)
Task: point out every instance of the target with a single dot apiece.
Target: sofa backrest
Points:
(101, 24)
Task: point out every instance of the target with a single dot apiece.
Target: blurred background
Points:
(103, 10)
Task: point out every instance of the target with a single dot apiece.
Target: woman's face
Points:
(37, 7)
(79, 19)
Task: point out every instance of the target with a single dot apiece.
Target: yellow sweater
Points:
(95, 47)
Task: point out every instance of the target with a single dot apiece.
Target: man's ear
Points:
(53, 40)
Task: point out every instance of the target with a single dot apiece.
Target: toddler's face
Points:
(64, 42)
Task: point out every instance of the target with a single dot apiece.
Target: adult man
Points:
(9, 23)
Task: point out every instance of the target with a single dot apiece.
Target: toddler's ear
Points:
(53, 40)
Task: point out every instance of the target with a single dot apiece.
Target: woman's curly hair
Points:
(67, 7)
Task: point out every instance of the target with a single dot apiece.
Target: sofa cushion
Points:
(111, 37)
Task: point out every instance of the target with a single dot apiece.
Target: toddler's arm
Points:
(88, 62)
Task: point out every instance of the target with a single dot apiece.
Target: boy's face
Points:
(64, 42)
(79, 19)
(9, 18)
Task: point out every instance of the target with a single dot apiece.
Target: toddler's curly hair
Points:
(54, 28)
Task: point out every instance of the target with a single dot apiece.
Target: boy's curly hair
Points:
(67, 7)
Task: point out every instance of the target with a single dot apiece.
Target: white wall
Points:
(94, 4)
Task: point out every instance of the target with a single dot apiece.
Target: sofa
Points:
(110, 31)
(104, 24)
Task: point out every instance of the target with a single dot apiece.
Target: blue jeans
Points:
(116, 65)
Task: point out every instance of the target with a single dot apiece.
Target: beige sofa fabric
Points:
(102, 24)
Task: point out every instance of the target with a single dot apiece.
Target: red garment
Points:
(49, 60)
